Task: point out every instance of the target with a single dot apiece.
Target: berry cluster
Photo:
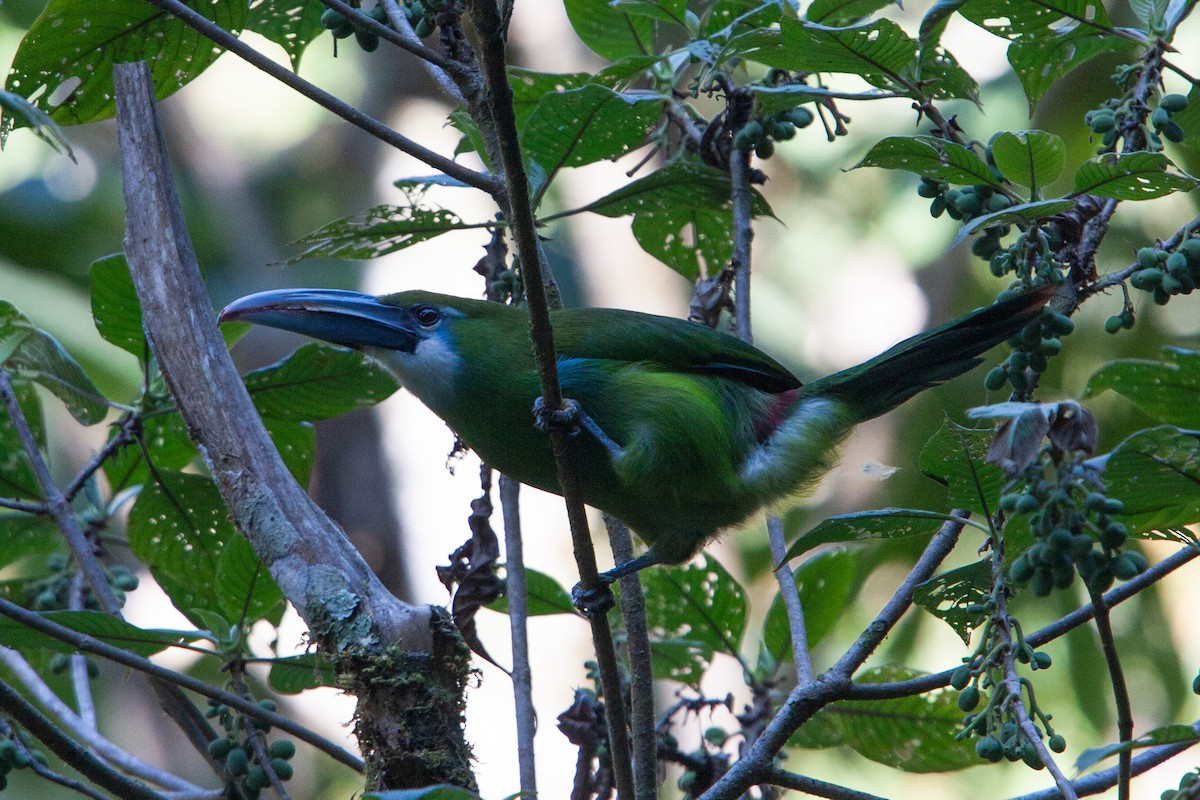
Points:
(1032, 349)
(17, 755)
(235, 749)
(421, 15)
(51, 592)
(1073, 523)
(761, 134)
(1187, 787)
(1110, 119)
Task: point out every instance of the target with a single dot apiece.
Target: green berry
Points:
(1103, 121)
(331, 19)
(996, 378)
(59, 663)
(1177, 264)
(367, 40)
(1147, 257)
(1173, 103)
(219, 748)
(1042, 582)
(989, 749)
(1051, 346)
(1196, 684)
(968, 698)
(715, 735)
(1191, 249)
(764, 148)
(801, 117)
(282, 768)
(1021, 570)
(961, 677)
(1057, 743)
(1159, 118)
(237, 762)
(423, 27)
(1172, 131)
(283, 748)
(1114, 323)
(1146, 279)
(929, 189)
(1027, 504)
(256, 779)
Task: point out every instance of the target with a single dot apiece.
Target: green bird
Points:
(683, 431)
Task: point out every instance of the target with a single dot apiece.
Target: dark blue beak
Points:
(352, 319)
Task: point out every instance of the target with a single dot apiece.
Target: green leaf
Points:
(17, 478)
(941, 77)
(115, 306)
(546, 596)
(1042, 18)
(884, 523)
(245, 589)
(933, 24)
(914, 734)
(610, 32)
(876, 51)
(681, 216)
(1134, 176)
(930, 158)
(179, 529)
(1166, 734)
(318, 381)
(956, 457)
(1151, 12)
(825, 583)
(592, 123)
(951, 595)
(24, 535)
(699, 605)
(1040, 62)
(29, 353)
(1156, 474)
(25, 114)
(747, 14)
(167, 442)
(1030, 158)
(64, 64)
(662, 10)
(1022, 214)
(1166, 390)
(291, 24)
(102, 626)
(298, 673)
(841, 12)
(377, 232)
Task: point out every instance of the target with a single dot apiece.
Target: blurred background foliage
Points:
(854, 263)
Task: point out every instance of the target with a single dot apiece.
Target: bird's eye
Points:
(427, 315)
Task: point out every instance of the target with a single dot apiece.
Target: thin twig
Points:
(518, 617)
(1108, 645)
(387, 135)
(834, 684)
(778, 776)
(641, 669)
(70, 751)
(791, 599)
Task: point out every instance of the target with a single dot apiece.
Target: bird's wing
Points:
(675, 344)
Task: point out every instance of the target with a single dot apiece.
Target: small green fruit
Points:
(1173, 103)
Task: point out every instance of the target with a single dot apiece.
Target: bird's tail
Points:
(879, 385)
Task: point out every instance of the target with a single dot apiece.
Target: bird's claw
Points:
(594, 602)
(567, 418)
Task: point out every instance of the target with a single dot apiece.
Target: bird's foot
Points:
(573, 419)
(594, 602)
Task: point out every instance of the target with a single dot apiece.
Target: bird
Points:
(682, 431)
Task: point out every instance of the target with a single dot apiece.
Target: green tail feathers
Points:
(879, 385)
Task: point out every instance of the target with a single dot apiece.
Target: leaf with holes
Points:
(841, 12)
(1134, 176)
(698, 607)
(957, 596)
(930, 158)
(1039, 62)
(179, 528)
(1043, 18)
(589, 124)
(377, 232)
(915, 733)
(64, 64)
(883, 523)
(1156, 474)
(877, 52)
(291, 24)
(610, 32)
(244, 587)
(29, 353)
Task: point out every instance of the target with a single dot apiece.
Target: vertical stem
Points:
(517, 205)
(1116, 674)
(641, 675)
(791, 600)
(518, 616)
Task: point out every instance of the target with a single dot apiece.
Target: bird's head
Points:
(411, 333)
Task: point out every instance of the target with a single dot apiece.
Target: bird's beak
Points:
(352, 319)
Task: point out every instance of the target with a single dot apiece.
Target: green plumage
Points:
(707, 429)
